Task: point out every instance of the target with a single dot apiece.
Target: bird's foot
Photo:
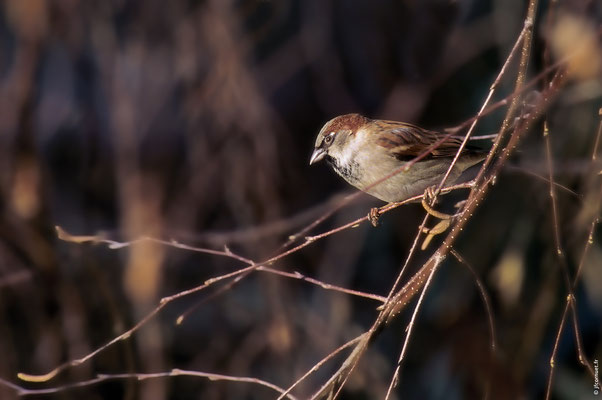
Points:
(430, 197)
(373, 216)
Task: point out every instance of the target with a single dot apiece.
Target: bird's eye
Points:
(328, 139)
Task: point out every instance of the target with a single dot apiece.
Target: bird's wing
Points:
(408, 141)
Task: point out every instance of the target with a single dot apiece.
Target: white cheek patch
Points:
(353, 150)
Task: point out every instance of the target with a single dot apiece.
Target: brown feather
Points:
(407, 141)
(364, 151)
(349, 122)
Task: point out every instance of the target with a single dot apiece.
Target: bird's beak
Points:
(317, 155)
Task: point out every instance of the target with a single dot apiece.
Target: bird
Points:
(364, 151)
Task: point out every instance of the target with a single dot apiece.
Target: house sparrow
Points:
(364, 150)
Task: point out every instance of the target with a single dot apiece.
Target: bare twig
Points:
(490, 318)
(570, 304)
(323, 285)
(403, 296)
(395, 378)
(141, 376)
(525, 39)
(570, 286)
(319, 364)
(237, 275)
(597, 142)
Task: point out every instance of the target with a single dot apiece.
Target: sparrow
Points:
(364, 151)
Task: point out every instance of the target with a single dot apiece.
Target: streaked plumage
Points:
(363, 151)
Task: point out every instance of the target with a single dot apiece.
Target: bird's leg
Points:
(430, 194)
(373, 216)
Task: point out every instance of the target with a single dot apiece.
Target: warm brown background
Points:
(195, 120)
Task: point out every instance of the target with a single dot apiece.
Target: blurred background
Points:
(194, 121)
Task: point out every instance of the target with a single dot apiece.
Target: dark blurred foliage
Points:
(194, 120)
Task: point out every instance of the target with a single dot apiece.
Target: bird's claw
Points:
(373, 216)
(430, 195)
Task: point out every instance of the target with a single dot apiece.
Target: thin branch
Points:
(504, 102)
(72, 363)
(579, 342)
(114, 244)
(521, 39)
(524, 38)
(323, 285)
(272, 228)
(347, 365)
(490, 318)
(409, 329)
(570, 298)
(544, 179)
(570, 304)
(552, 192)
(597, 142)
(402, 297)
(141, 376)
(238, 274)
(319, 364)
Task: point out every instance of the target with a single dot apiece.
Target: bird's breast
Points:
(349, 171)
